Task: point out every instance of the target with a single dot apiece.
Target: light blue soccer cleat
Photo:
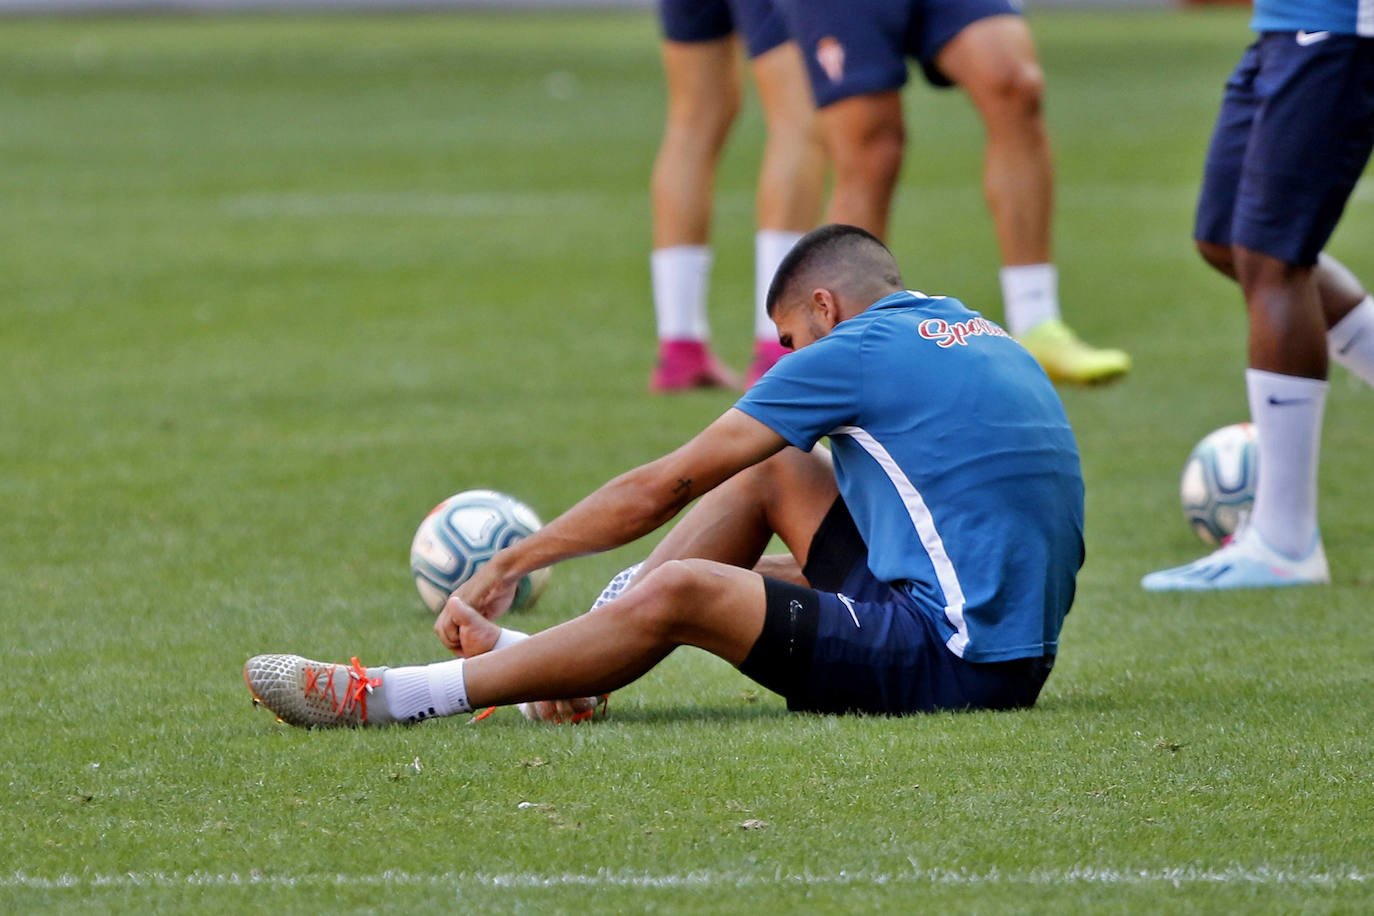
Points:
(1245, 561)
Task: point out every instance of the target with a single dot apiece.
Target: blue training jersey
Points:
(954, 455)
(1340, 17)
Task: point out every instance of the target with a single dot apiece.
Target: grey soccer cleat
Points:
(314, 694)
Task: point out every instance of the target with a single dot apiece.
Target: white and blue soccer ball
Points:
(1218, 485)
(462, 533)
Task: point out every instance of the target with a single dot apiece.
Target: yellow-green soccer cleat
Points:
(1066, 358)
(314, 694)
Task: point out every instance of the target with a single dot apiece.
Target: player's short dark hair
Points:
(828, 247)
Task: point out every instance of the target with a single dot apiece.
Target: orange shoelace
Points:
(354, 694)
(591, 713)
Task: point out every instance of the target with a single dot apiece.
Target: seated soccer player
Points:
(933, 548)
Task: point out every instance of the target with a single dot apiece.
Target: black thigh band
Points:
(781, 659)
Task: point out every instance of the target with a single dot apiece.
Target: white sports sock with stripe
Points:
(1287, 412)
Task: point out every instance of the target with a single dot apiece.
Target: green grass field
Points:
(272, 287)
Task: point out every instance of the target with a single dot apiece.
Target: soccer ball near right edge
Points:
(1218, 485)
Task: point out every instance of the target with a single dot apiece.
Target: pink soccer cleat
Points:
(687, 364)
(766, 354)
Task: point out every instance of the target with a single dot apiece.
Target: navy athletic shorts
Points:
(854, 47)
(855, 644)
(1294, 133)
(694, 21)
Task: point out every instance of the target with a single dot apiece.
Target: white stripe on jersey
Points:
(921, 518)
(1364, 19)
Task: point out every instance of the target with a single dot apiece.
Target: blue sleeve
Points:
(808, 393)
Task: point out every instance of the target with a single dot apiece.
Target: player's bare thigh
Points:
(865, 137)
(787, 495)
(994, 58)
(704, 81)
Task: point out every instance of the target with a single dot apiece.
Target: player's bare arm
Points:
(625, 508)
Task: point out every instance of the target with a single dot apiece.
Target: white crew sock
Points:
(770, 247)
(424, 691)
(680, 278)
(438, 689)
(1287, 413)
(1351, 341)
(1030, 295)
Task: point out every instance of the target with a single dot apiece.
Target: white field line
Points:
(1250, 876)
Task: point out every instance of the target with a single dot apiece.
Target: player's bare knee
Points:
(665, 595)
(711, 117)
(1218, 257)
(1258, 272)
(881, 154)
(1015, 89)
(874, 154)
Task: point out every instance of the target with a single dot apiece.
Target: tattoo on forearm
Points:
(683, 488)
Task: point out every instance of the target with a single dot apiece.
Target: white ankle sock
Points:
(1287, 413)
(424, 691)
(1030, 295)
(438, 689)
(1351, 341)
(770, 247)
(680, 277)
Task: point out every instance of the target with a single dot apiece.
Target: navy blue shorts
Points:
(854, 47)
(1294, 133)
(692, 21)
(855, 644)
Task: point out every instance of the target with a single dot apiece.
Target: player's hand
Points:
(463, 630)
(488, 592)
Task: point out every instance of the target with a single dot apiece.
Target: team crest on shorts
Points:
(830, 55)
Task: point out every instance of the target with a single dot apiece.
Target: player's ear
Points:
(824, 302)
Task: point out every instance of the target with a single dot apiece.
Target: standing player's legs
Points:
(1347, 307)
(993, 59)
(866, 139)
(855, 60)
(703, 80)
(680, 599)
(1295, 130)
(856, 53)
(791, 183)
